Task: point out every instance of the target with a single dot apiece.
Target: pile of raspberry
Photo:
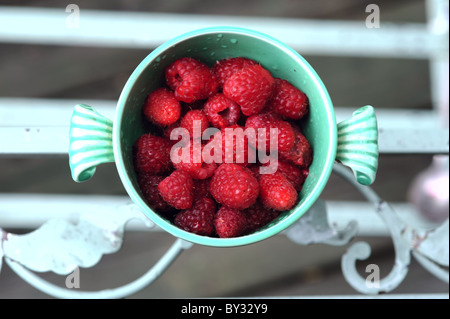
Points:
(225, 198)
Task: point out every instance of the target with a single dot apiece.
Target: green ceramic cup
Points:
(95, 139)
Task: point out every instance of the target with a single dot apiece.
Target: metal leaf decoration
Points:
(314, 228)
(61, 245)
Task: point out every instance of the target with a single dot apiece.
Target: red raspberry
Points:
(152, 154)
(230, 222)
(190, 159)
(258, 216)
(201, 189)
(191, 80)
(288, 101)
(168, 131)
(227, 67)
(196, 105)
(149, 187)
(221, 111)
(195, 121)
(234, 145)
(301, 153)
(234, 186)
(250, 87)
(277, 192)
(293, 173)
(254, 168)
(177, 190)
(199, 219)
(269, 121)
(161, 107)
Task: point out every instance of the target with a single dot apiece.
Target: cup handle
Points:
(358, 144)
(90, 142)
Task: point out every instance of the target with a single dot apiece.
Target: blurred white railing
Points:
(24, 131)
(148, 30)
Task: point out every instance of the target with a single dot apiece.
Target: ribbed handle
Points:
(358, 144)
(90, 142)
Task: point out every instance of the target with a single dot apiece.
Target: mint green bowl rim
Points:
(294, 214)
